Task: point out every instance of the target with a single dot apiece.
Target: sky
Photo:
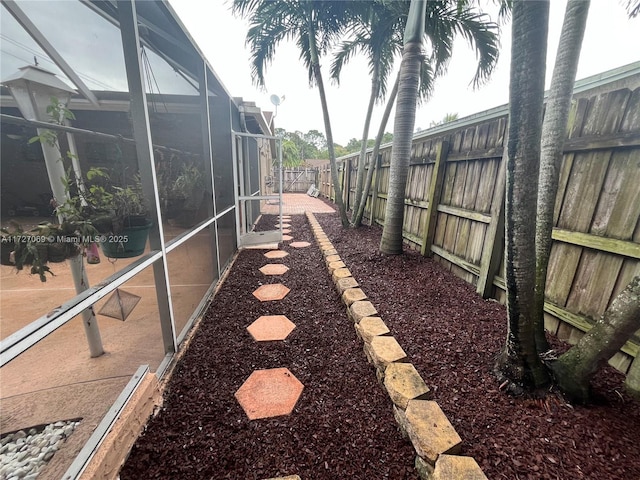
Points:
(611, 40)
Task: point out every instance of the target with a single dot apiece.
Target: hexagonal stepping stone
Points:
(347, 282)
(276, 254)
(271, 327)
(286, 231)
(299, 244)
(429, 430)
(284, 225)
(274, 269)
(351, 295)
(267, 293)
(404, 383)
(287, 238)
(269, 393)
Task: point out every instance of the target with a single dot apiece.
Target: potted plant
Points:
(187, 193)
(7, 246)
(118, 213)
(28, 249)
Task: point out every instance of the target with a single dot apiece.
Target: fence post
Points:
(494, 238)
(435, 190)
(347, 184)
(376, 186)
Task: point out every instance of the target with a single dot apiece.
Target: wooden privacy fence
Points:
(297, 179)
(454, 203)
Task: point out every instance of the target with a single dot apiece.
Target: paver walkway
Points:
(271, 392)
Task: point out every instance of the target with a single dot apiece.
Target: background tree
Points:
(449, 117)
(554, 132)
(314, 25)
(315, 139)
(290, 154)
(518, 366)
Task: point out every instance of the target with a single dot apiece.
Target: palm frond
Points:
(633, 8)
(346, 50)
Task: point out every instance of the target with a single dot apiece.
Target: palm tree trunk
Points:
(574, 368)
(317, 74)
(518, 365)
(375, 87)
(391, 241)
(357, 221)
(554, 130)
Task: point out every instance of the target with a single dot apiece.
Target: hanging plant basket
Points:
(58, 252)
(130, 242)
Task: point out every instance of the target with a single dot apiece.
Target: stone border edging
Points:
(420, 419)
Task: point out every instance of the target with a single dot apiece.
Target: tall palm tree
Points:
(554, 130)
(412, 57)
(518, 365)
(314, 25)
(442, 22)
(377, 32)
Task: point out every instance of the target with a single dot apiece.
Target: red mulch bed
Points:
(452, 336)
(342, 426)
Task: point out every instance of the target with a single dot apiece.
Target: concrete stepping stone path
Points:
(299, 244)
(267, 293)
(269, 328)
(274, 269)
(269, 393)
(276, 254)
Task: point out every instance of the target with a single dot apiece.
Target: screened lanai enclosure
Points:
(135, 110)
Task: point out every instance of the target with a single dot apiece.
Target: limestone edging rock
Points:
(421, 421)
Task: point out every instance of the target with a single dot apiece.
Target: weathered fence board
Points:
(454, 210)
(297, 179)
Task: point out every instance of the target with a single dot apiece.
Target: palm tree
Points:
(314, 25)
(378, 33)
(404, 121)
(443, 20)
(554, 130)
(518, 366)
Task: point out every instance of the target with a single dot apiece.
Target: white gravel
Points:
(25, 452)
